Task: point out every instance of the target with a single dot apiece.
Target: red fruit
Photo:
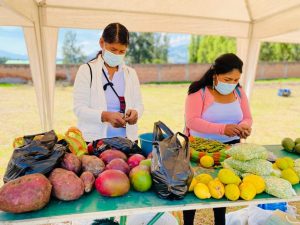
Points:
(118, 164)
(112, 183)
(90, 148)
(111, 154)
(135, 160)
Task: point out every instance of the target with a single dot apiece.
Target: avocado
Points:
(288, 144)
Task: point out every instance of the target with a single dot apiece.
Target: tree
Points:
(3, 60)
(207, 48)
(148, 48)
(72, 54)
(141, 48)
(161, 45)
(193, 48)
(211, 47)
(279, 52)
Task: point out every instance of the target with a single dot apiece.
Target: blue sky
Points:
(12, 40)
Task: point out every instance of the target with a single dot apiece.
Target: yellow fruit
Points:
(290, 162)
(232, 192)
(248, 191)
(257, 181)
(227, 176)
(60, 137)
(290, 175)
(281, 163)
(193, 184)
(275, 166)
(204, 178)
(207, 161)
(38, 137)
(202, 191)
(216, 189)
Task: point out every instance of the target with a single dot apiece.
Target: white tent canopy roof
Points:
(250, 21)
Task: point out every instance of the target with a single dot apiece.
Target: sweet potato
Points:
(93, 164)
(88, 179)
(24, 194)
(66, 184)
(71, 162)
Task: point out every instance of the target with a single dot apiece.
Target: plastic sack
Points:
(259, 167)
(279, 187)
(170, 167)
(239, 217)
(122, 144)
(39, 154)
(297, 162)
(251, 215)
(258, 216)
(247, 151)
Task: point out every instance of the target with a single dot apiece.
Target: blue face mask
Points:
(225, 88)
(112, 59)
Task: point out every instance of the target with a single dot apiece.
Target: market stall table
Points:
(95, 206)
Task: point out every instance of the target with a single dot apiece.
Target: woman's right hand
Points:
(116, 119)
(232, 130)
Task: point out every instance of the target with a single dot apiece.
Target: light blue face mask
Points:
(225, 88)
(112, 59)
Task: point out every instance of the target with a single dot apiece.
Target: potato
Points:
(71, 162)
(88, 179)
(24, 194)
(67, 186)
(93, 164)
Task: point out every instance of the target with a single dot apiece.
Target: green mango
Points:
(288, 144)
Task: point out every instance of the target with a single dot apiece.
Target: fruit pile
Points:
(290, 145)
(288, 169)
(200, 147)
(229, 184)
(242, 163)
(112, 173)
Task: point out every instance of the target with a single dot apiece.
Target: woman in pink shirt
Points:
(217, 108)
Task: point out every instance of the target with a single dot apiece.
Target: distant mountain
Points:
(10, 55)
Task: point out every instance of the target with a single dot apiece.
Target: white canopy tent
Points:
(250, 21)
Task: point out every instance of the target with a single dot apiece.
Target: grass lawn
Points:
(274, 117)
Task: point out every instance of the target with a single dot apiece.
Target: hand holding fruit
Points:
(114, 118)
(232, 130)
(131, 116)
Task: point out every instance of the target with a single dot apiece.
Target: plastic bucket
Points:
(146, 142)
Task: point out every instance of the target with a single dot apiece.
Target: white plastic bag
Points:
(258, 216)
(239, 217)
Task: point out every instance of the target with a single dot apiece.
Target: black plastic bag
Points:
(122, 144)
(170, 169)
(35, 156)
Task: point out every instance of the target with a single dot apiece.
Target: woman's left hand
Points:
(246, 130)
(131, 116)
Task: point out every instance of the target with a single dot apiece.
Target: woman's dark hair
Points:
(114, 33)
(223, 64)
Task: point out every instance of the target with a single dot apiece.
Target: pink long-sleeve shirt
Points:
(196, 104)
